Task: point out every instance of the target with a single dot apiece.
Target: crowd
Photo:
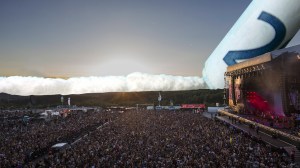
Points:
(21, 143)
(288, 124)
(166, 139)
(13, 114)
(279, 123)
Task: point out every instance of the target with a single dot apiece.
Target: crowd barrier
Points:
(294, 140)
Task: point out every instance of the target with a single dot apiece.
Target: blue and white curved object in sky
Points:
(264, 26)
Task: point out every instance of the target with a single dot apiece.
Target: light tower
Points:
(225, 90)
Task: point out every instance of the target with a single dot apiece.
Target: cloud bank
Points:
(18, 85)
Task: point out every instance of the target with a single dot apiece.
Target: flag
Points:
(159, 97)
(69, 101)
(171, 102)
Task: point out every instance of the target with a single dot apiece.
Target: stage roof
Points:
(267, 57)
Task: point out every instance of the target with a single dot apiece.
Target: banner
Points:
(190, 106)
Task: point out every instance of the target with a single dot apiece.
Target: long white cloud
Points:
(18, 85)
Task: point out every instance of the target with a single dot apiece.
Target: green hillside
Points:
(209, 97)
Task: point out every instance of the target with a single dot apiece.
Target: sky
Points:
(72, 38)
(67, 38)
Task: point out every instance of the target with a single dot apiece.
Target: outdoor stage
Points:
(267, 87)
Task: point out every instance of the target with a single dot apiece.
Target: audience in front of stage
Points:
(167, 139)
(22, 142)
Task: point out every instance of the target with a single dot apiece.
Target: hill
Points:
(209, 97)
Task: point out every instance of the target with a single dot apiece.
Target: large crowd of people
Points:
(23, 142)
(288, 125)
(161, 139)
